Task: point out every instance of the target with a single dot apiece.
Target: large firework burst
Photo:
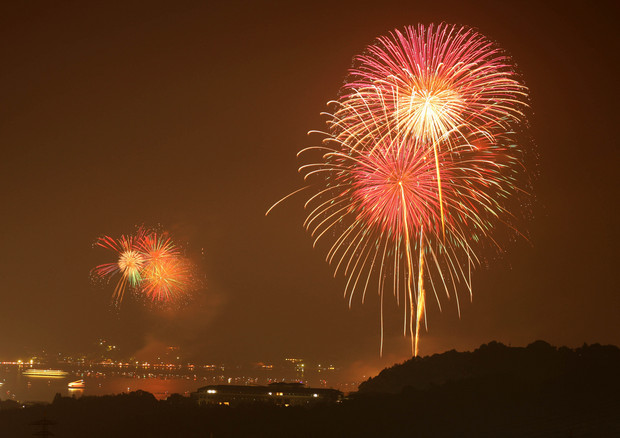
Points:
(419, 166)
(433, 82)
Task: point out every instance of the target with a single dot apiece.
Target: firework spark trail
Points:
(421, 297)
(419, 157)
(409, 263)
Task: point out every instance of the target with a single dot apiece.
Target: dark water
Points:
(22, 388)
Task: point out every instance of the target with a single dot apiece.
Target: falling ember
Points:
(419, 166)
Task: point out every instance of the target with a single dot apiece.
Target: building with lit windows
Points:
(280, 394)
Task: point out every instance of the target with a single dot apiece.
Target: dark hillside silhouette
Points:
(494, 391)
(537, 364)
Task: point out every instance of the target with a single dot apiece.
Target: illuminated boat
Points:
(78, 384)
(45, 373)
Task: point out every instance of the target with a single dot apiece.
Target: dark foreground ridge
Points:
(495, 391)
(500, 366)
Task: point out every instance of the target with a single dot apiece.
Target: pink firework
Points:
(380, 197)
(433, 81)
(419, 167)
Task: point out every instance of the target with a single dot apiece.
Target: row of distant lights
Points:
(213, 391)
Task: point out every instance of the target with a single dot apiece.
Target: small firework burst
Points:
(150, 265)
